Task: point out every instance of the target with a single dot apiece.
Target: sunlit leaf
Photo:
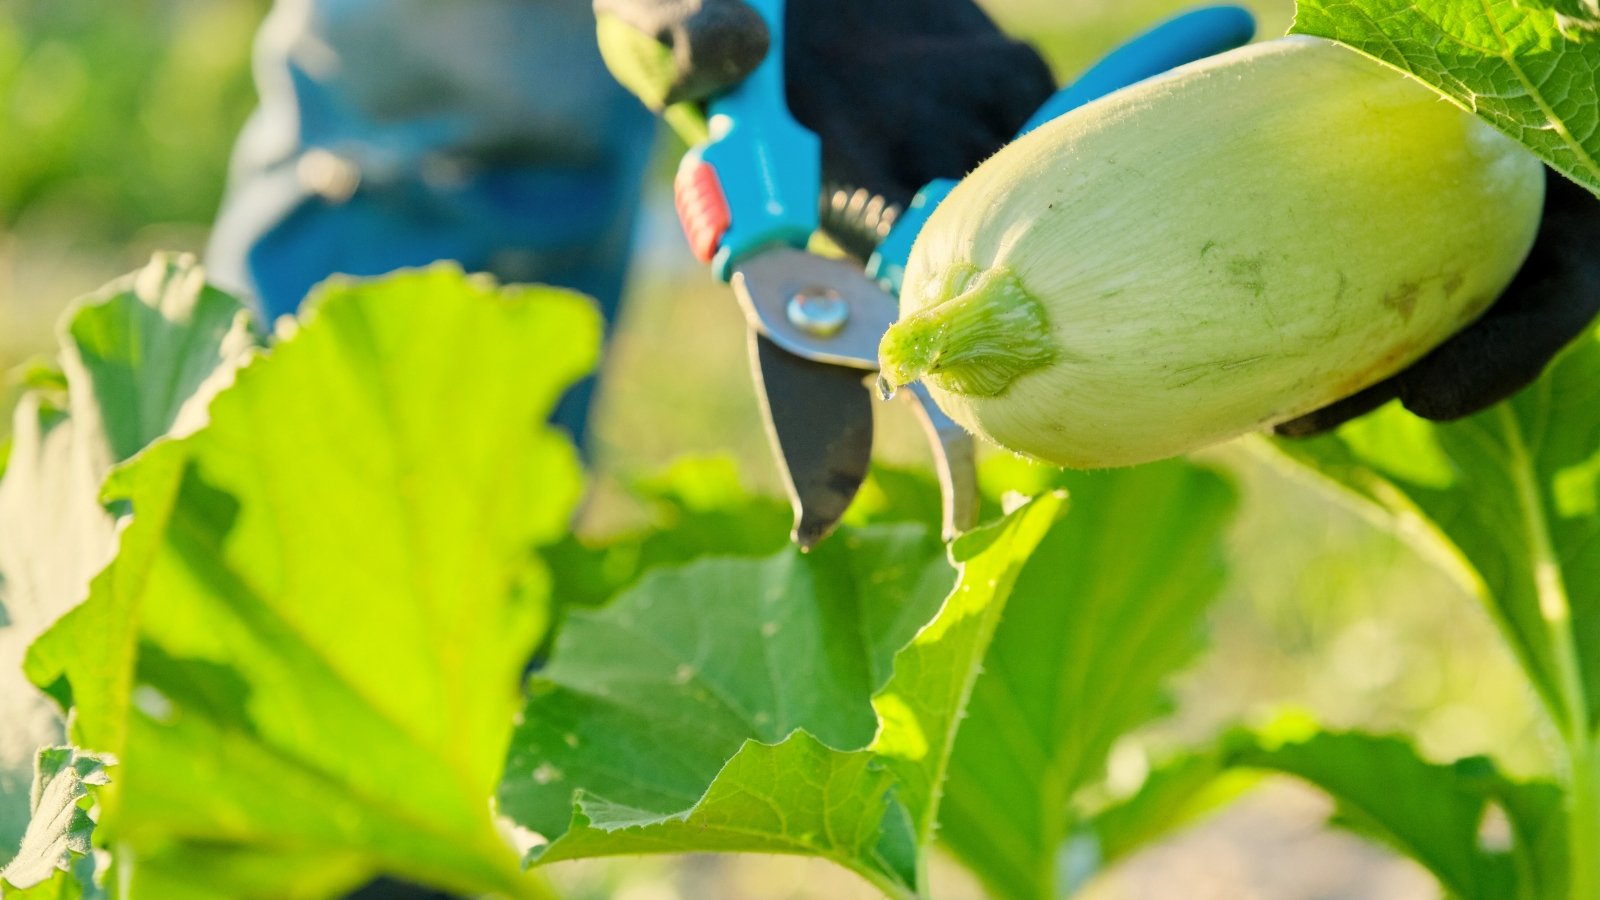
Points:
(1529, 67)
(1106, 610)
(309, 646)
(752, 704)
(138, 359)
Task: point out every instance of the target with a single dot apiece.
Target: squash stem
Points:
(976, 343)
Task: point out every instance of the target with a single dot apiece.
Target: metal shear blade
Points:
(819, 419)
(815, 326)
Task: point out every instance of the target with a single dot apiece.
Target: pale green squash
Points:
(1233, 244)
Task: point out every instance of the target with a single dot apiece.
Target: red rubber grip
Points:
(702, 207)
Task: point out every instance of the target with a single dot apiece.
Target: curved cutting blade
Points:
(954, 461)
(819, 419)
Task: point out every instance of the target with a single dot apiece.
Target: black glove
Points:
(1552, 300)
(900, 91)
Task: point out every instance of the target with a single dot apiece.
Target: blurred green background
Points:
(118, 119)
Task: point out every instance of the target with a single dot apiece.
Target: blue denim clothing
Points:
(394, 133)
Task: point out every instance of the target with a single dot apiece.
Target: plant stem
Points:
(892, 889)
(1584, 836)
(1572, 719)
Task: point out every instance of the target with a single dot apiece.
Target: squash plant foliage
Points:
(301, 665)
(268, 608)
(293, 659)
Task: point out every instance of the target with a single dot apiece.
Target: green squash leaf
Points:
(1447, 817)
(138, 359)
(306, 655)
(56, 858)
(1430, 812)
(700, 507)
(1107, 609)
(767, 705)
(646, 701)
(1527, 67)
(796, 797)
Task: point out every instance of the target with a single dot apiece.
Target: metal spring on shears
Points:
(855, 218)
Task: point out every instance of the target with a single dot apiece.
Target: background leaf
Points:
(1510, 498)
(1442, 816)
(140, 358)
(1429, 812)
(711, 703)
(56, 859)
(306, 655)
(1104, 612)
(696, 507)
(1528, 67)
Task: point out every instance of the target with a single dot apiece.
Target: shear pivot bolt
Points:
(818, 311)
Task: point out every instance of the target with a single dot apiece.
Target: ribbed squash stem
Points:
(976, 343)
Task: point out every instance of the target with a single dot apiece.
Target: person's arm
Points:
(393, 133)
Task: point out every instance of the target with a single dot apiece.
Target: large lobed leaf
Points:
(1108, 608)
(306, 654)
(761, 705)
(138, 359)
(1528, 67)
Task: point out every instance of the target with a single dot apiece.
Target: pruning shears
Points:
(748, 201)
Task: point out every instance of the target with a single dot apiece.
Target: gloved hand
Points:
(900, 92)
(1552, 300)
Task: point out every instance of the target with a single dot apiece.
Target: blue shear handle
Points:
(769, 165)
(1182, 39)
(1175, 42)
